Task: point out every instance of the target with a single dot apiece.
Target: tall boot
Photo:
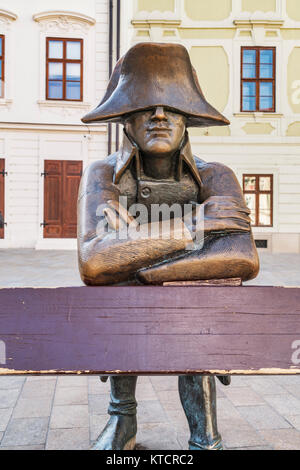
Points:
(198, 398)
(120, 431)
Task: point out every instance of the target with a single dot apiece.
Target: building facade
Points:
(55, 66)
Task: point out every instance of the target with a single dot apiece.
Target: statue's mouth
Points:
(159, 129)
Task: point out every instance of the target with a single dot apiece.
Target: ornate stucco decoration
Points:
(65, 21)
(6, 18)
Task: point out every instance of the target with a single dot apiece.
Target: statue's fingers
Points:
(113, 219)
(123, 213)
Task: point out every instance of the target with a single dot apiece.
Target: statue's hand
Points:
(117, 216)
(222, 214)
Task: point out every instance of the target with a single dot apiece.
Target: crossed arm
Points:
(107, 258)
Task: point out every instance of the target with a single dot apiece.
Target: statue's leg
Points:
(120, 431)
(198, 398)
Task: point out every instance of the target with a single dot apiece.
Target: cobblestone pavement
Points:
(69, 412)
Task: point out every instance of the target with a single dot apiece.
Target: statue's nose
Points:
(159, 114)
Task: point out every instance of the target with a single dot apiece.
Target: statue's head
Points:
(154, 92)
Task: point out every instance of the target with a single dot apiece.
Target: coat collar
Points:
(130, 151)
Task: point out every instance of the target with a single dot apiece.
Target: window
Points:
(1, 66)
(64, 67)
(258, 79)
(258, 193)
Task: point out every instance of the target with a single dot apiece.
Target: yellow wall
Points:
(160, 5)
(215, 131)
(208, 10)
(290, 33)
(294, 129)
(293, 9)
(258, 128)
(259, 5)
(211, 64)
(293, 75)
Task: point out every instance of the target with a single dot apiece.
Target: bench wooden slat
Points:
(150, 330)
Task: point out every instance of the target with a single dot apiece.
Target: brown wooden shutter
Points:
(62, 178)
(71, 179)
(2, 180)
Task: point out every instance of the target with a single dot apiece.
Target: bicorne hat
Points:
(154, 74)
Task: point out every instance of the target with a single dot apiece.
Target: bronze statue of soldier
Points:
(155, 94)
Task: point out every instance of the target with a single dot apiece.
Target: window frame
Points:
(64, 61)
(257, 192)
(257, 80)
(2, 58)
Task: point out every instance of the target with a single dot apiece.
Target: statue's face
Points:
(156, 131)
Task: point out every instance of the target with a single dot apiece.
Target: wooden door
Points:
(2, 180)
(62, 178)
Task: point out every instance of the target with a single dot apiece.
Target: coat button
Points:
(145, 192)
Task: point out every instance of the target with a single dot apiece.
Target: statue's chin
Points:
(159, 147)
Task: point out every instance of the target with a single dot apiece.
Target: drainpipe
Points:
(110, 64)
(118, 56)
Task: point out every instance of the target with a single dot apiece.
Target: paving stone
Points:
(220, 393)
(266, 387)
(98, 404)
(266, 447)
(239, 436)
(69, 416)
(145, 391)
(5, 414)
(228, 413)
(284, 404)
(8, 398)
(29, 408)
(177, 419)
(151, 412)
(294, 421)
(39, 389)
(97, 424)
(25, 432)
(294, 390)
(263, 417)
(14, 382)
(282, 439)
(162, 382)
(38, 447)
(170, 400)
(68, 439)
(43, 378)
(183, 439)
(287, 379)
(72, 381)
(241, 381)
(1, 435)
(71, 396)
(243, 396)
(96, 387)
(143, 379)
(157, 436)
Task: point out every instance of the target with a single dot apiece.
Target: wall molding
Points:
(63, 21)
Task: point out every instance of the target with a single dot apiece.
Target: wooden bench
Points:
(150, 330)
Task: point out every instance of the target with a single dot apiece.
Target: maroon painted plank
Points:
(150, 329)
